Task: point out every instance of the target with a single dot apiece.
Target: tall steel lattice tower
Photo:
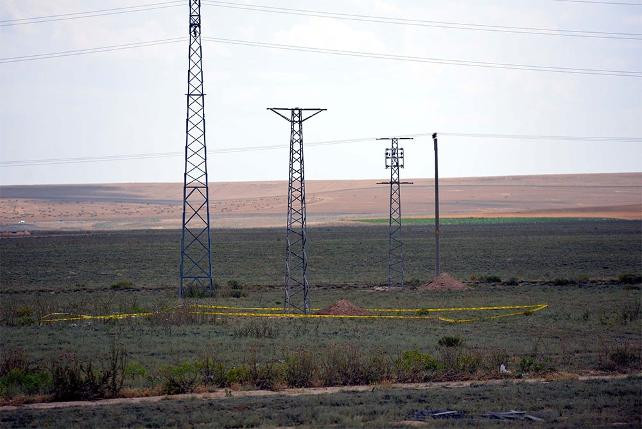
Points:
(196, 255)
(395, 161)
(296, 262)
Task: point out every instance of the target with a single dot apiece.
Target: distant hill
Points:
(259, 204)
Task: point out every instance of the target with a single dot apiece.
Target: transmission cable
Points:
(159, 155)
(426, 23)
(331, 15)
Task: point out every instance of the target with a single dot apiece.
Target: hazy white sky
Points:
(132, 101)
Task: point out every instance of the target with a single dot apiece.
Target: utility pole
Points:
(437, 270)
(196, 255)
(296, 262)
(395, 161)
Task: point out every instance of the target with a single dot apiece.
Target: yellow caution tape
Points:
(527, 309)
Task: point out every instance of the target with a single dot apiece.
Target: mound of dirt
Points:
(444, 282)
(343, 307)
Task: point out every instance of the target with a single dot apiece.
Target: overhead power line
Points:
(452, 25)
(76, 52)
(310, 49)
(433, 60)
(426, 23)
(90, 13)
(160, 155)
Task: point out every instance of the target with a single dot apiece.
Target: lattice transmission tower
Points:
(196, 255)
(395, 161)
(296, 262)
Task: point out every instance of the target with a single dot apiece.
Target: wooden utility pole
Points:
(434, 139)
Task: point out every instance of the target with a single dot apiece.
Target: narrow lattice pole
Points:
(395, 161)
(296, 289)
(437, 232)
(196, 258)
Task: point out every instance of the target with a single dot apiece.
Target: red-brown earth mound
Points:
(444, 282)
(343, 307)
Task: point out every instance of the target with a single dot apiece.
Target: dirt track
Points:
(225, 393)
(258, 204)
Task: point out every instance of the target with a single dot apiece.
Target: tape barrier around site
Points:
(524, 310)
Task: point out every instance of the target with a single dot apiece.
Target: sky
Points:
(133, 101)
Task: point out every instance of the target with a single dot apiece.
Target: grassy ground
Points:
(337, 255)
(589, 326)
(481, 220)
(560, 404)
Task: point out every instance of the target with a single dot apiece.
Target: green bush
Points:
(301, 370)
(490, 279)
(414, 366)
(629, 278)
(562, 282)
(268, 375)
(448, 341)
(25, 316)
(122, 284)
(513, 281)
(238, 375)
(20, 382)
(530, 365)
(181, 378)
(213, 372)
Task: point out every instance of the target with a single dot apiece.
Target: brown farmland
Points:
(259, 204)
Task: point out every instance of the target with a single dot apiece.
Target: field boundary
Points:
(228, 394)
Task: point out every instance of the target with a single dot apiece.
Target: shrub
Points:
(122, 284)
(24, 382)
(196, 292)
(624, 357)
(448, 341)
(234, 285)
(213, 372)
(300, 369)
(25, 316)
(561, 282)
(256, 330)
(414, 366)
(529, 365)
(513, 281)
(268, 375)
(413, 282)
(75, 380)
(237, 375)
(629, 278)
(490, 279)
(181, 378)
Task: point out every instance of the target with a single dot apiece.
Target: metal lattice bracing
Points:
(395, 161)
(296, 262)
(196, 260)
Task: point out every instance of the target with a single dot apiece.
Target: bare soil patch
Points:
(444, 282)
(343, 307)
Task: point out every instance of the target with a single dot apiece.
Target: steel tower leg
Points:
(296, 262)
(196, 257)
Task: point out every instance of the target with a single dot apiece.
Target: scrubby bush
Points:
(301, 369)
(238, 375)
(562, 282)
(629, 278)
(490, 279)
(122, 284)
(181, 378)
(414, 366)
(448, 341)
(254, 329)
(513, 281)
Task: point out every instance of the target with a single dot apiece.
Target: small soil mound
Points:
(444, 282)
(343, 307)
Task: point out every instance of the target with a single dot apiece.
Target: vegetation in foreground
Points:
(559, 403)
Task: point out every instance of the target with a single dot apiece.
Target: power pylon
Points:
(296, 262)
(196, 255)
(395, 161)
